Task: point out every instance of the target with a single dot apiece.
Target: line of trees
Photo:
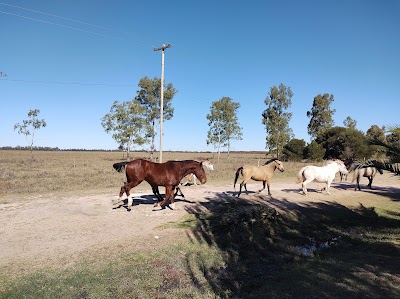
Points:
(134, 123)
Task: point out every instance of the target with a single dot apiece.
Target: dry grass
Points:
(57, 172)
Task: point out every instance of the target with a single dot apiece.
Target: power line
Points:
(60, 25)
(65, 83)
(125, 38)
(56, 16)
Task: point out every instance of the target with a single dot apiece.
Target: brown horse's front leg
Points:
(169, 195)
(370, 182)
(173, 197)
(263, 187)
(357, 184)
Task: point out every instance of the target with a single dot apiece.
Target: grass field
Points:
(59, 171)
(236, 248)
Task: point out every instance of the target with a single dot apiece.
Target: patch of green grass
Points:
(176, 272)
(323, 250)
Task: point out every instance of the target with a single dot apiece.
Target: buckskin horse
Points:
(168, 174)
(258, 173)
(364, 170)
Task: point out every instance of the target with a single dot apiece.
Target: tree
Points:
(321, 114)
(276, 120)
(340, 143)
(149, 96)
(29, 126)
(391, 144)
(294, 150)
(392, 147)
(223, 123)
(350, 123)
(376, 133)
(314, 151)
(127, 123)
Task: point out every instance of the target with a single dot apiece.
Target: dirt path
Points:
(45, 232)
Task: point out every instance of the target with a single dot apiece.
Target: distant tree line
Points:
(133, 123)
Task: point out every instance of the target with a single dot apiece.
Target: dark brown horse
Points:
(168, 174)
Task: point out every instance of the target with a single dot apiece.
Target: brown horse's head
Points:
(200, 173)
(278, 164)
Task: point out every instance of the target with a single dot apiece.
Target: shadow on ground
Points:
(313, 250)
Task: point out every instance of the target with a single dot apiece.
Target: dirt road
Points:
(40, 232)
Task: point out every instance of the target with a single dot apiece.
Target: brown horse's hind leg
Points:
(157, 193)
(269, 192)
(240, 189)
(121, 192)
(125, 189)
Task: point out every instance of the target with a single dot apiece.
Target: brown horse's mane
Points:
(270, 161)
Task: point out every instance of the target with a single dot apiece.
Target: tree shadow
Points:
(311, 250)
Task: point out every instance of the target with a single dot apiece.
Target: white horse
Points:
(191, 179)
(321, 174)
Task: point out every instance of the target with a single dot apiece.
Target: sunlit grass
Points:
(80, 172)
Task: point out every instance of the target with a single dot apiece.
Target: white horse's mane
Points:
(327, 162)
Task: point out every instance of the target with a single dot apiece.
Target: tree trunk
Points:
(128, 150)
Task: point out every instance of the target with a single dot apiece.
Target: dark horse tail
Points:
(238, 171)
(120, 166)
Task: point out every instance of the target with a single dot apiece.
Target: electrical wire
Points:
(126, 36)
(65, 83)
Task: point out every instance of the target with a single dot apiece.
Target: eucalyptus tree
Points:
(321, 114)
(29, 126)
(276, 119)
(350, 123)
(127, 123)
(223, 123)
(149, 96)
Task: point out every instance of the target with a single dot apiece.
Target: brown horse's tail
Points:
(238, 171)
(120, 166)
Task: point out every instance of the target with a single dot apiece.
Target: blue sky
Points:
(238, 49)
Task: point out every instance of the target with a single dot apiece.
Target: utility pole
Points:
(162, 49)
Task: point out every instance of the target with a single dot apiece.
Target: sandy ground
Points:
(40, 232)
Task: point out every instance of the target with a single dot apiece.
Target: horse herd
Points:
(171, 173)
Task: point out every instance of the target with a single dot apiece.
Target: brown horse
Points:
(206, 163)
(368, 172)
(258, 173)
(167, 174)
